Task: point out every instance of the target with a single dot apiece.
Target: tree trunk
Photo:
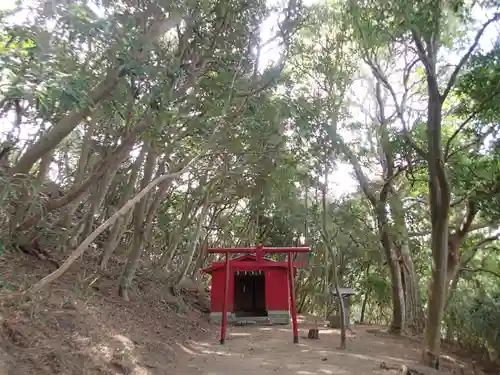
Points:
(156, 201)
(114, 239)
(455, 241)
(168, 256)
(202, 256)
(413, 303)
(195, 240)
(437, 293)
(398, 306)
(44, 168)
(98, 198)
(120, 225)
(329, 248)
(341, 299)
(379, 206)
(116, 157)
(439, 197)
(365, 299)
(363, 306)
(121, 212)
(83, 162)
(59, 131)
(138, 238)
(452, 289)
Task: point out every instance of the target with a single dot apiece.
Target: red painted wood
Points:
(228, 273)
(259, 253)
(291, 283)
(253, 250)
(277, 297)
(279, 279)
(217, 291)
(286, 249)
(251, 266)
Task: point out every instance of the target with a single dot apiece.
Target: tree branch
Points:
(360, 175)
(472, 228)
(181, 169)
(379, 75)
(481, 106)
(422, 55)
(467, 220)
(478, 246)
(465, 57)
(473, 270)
(456, 132)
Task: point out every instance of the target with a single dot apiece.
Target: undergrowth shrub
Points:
(473, 322)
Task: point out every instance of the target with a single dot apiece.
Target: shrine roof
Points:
(265, 263)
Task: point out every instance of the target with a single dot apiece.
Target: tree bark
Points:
(365, 299)
(341, 299)
(111, 161)
(455, 241)
(97, 199)
(413, 303)
(59, 131)
(195, 239)
(122, 222)
(121, 212)
(331, 250)
(202, 257)
(398, 311)
(398, 322)
(83, 162)
(387, 162)
(439, 197)
(363, 306)
(138, 237)
(168, 256)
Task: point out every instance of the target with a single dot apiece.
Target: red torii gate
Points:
(259, 251)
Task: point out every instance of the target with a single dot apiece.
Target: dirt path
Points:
(269, 350)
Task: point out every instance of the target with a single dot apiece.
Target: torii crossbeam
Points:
(259, 251)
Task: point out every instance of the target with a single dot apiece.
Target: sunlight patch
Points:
(205, 344)
(397, 359)
(239, 334)
(187, 350)
(330, 372)
(139, 370)
(206, 351)
(127, 343)
(324, 371)
(80, 339)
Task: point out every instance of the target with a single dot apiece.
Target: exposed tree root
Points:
(313, 334)
(33, 249)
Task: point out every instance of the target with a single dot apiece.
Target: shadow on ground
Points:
(74, 329)
(269, 350)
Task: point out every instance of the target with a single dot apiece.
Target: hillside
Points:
(81, 326)
(269, 350)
